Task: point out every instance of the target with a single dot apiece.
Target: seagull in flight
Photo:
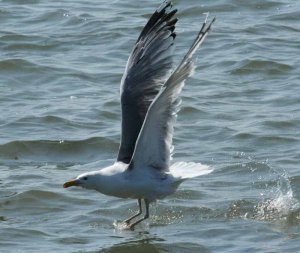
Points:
(150, 99)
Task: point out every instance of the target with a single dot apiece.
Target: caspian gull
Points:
(150, 90)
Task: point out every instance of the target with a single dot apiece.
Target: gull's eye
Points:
(85, 178)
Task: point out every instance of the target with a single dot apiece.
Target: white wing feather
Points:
(155, 139)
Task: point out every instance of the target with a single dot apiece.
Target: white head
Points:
(88, 180)
(107, 180)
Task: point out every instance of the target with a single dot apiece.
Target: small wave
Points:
(257, 4)
(14, 41)
(270, 139)
(41, 200)
(63, 15)
(25, 66)
(244, 136)
(277, 139)
(150, 243)
(196, 9)
(51, 16)
(16, 64)
(26, 200)
(291, 16)
(190, 110)
(248, 67)
(282, 124)
(245, 167)
(59, 150)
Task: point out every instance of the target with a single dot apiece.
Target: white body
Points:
(144, 183)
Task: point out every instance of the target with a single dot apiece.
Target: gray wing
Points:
(155, 139)
(147, 69)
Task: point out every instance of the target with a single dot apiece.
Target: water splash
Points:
(271, 185)
(120, 225)
(283, 207)
(279, 202)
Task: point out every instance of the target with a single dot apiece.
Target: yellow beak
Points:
(71, 183)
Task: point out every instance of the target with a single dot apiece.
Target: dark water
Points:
(60, 66)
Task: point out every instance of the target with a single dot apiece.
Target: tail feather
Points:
(186, 170)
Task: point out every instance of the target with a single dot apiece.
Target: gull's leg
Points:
(137, 214)
(131, 226)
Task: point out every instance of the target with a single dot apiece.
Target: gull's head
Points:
(86, 180)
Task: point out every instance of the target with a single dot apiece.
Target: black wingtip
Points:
(209, 27)
(162, 8)
(171, 28)
(163, 16)
(172, 22)
(168, 3)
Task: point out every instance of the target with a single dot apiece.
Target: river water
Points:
(61, 63)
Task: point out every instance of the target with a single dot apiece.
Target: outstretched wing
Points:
(155, 140)
(147, 69)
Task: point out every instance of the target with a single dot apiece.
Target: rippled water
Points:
(60, 65)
